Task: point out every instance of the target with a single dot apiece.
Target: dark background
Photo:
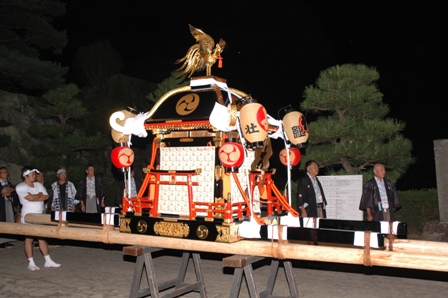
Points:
(277, 48)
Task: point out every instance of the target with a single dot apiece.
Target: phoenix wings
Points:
(201, 55)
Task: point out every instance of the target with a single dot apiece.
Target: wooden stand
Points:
(243, 264)
(144, 266)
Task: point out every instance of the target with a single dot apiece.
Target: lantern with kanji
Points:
(122, 157)
(254, 123)
(295, 127)
(231, 155)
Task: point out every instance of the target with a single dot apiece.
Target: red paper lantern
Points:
(122, 157)
(294, 156)
(231, 155)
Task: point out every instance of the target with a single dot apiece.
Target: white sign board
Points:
(343, 193)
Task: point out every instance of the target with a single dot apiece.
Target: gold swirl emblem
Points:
(202, 232)
(187, 104)
(142, 226)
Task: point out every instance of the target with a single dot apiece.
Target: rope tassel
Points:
(219, 61)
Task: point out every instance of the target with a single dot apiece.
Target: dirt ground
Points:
(100, 270)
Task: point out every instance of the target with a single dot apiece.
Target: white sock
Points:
(49, 262)
(31, 265)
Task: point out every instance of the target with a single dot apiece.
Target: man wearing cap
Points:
(64, 193)
(32, 196)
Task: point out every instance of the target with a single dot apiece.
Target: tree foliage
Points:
(63, 104)
(61, 141)
(26, 38)
(166, 85)
(97, 62)
(351, 132)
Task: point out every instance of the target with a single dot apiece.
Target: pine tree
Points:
(60, 141)
(62, 104)
(166, 85)
(27, 36)
(351, 132)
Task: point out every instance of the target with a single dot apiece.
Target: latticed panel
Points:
(173, 199)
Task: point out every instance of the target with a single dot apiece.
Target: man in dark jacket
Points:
(9, 201)
(311, 199)
(90, 192)
(379, 197)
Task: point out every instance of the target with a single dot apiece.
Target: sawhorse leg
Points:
(144, 265)
(273, 276)
(243, 265)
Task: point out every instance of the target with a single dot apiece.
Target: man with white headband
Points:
(32, 196)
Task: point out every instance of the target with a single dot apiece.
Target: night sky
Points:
(277, 48)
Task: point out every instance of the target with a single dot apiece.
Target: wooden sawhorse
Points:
(175, 287)
(243, 265)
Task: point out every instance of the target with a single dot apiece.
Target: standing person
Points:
(64, 193)
(32, 196)
(90, 192)
(123, 191)
(311, 199)
(9, 201)
(379, 197)
(40, 177)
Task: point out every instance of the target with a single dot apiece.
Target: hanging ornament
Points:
(231, 155)
(294, 156)
(219, 60)
(254, 123)
(295, 127)
(117, 135)
(122, 157)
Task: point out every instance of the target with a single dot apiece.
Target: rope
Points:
(280, 243)
(60, 224)
(284, 203)
(277, 253)
(391, 236)
(106, 227)
(367, 261)
(257, 219)
(105, 235)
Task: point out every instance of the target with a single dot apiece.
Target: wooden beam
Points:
(272, 249)
(399, 245)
